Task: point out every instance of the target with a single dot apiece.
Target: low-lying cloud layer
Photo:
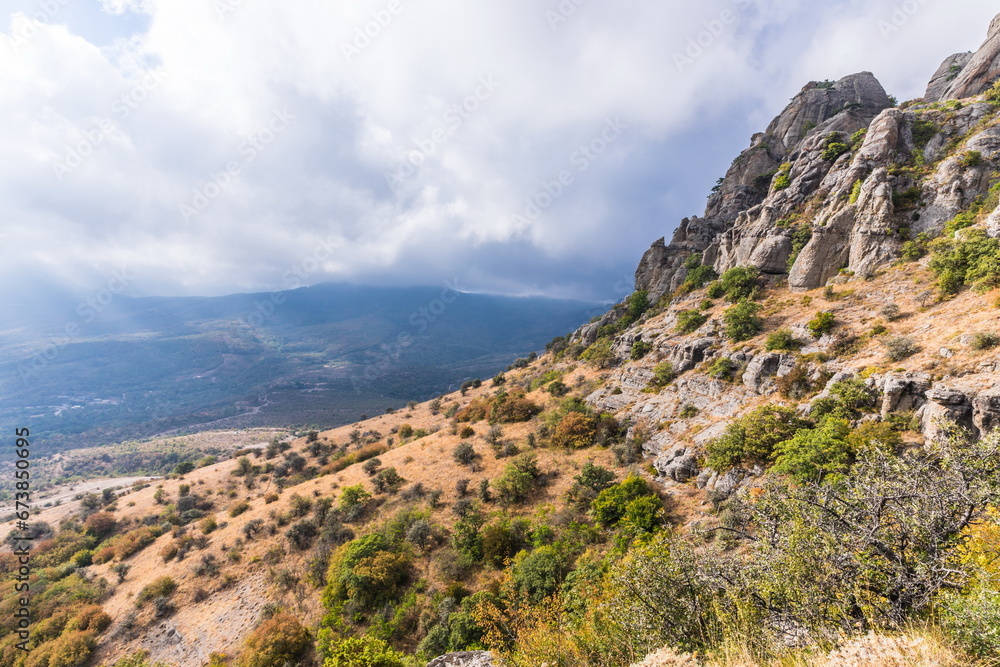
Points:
(213, 146)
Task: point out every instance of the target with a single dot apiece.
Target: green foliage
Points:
(388, 481)
(849, 399)
(698, 277)
(689, 321)
(600, 354)
(915, 249)
(612, 504)
(576, 430)
(715, 290)
(364, 651)
(640, 349)
(753, 437)
(972, 260)
(973, 621)
(923, 131)
(161, 587)
(502, 540)
(970, 159)
(833, 147)
(663, 374)
(984, 340)
(353, 499)
(741, 321)
(856, 191)
(783, 340)
(811, 454)
(782, 180)
(740, 283)
(722, 369)
(821, 324)
(464, 453)
(519, 478)
(539, 573)
(858, 137)
(993, 94)
(801, 236)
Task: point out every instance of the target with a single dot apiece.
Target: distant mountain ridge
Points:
(102, 369)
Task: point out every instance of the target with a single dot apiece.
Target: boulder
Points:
(464, 659)
(986, 410)
(945, 406)
(902, 391)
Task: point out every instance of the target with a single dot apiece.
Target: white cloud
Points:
(528, 96)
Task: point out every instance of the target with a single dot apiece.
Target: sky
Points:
(205, 147)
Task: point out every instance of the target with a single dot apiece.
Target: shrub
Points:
(970, 159)
(741, 321)
(722, 369)
(821, 324)
(600, 354)
(557, 388)
(611, 504)
(363, 651)
(972, 260)
(575, 431)
(502, 541)
(974, 622)
(783, 340)
(353, 500)
(740, 283)
(238, 508)
(752, 438)
(811, 454)
(518, 479)
(160, 588)
(539, 573)
(466, 432)
(100, 525)
(698, 276)
(898, 348)
(715, 290)
(891, 312)
(464, 453)
(856, 191)
(689, 321)
(984, 340)
(663, 374)
(280, 640)
(833, 148)
(371, 466)
(301, 534)
(388, 481)
(640, 349)
(783, 178)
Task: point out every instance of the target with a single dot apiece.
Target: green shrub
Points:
(833, 147)
(985, 340)
(689, 321)
(753, 437)
(715, 290)
(972, 260)
(388, 481)
(371, 466)
(811, 454)
(800, 238)
(363, 651)
(688, 411)
(663, 374)
(238, 508)
(722, 368)
(783, 340)
(697, 278)
(600, 354)
(856, 191)
(740, 283)
(970, 159)
(783, 178)
(502, 541)
(993, 94)
(159, 588)
(464, 453)
(575, 430)
(539, 573)
(280, 640)
(519, 478)
(353, 499)
(821, 324)
(405, 431)
(973, 621)
(611, 505)
(640, 349)
(741, 321)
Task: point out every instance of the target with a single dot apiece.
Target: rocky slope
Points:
(812, 177)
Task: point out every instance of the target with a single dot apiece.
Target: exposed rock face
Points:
(966, 75)
(463, 659)
(842, 209)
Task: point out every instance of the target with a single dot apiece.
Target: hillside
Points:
(320, 355)
(780, 450)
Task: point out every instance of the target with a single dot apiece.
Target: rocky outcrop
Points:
(463, 659)
(902, 392)
(967, 75)
(739, 222)
(763, 368)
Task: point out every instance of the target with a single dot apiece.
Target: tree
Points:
(742, 322)
(364, 651)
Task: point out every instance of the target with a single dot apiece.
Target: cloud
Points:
(523, 147)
